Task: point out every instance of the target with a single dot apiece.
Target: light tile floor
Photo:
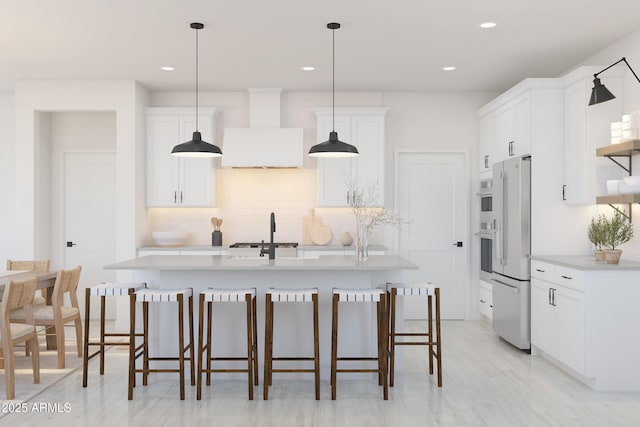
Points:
(486, 383)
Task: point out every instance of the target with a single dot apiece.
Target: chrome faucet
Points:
(272, 248)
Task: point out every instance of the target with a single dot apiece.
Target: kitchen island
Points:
(293, 322)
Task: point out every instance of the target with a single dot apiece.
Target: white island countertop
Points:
(230, 263)
(586, 262)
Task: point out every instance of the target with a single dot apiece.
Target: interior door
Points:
(432, 194)
(89, 217)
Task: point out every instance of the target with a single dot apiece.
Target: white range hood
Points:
(264, 144)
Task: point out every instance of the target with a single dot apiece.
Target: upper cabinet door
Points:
(334, 173)
(364, 128)
(174, 181)
(521, 141)
(486, 139)
(163, 170)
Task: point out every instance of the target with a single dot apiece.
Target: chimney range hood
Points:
(264, 144)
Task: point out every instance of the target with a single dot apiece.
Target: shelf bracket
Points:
(626, 169)
(622, 212)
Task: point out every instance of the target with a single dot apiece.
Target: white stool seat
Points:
(358, 295)
(162, 295)
(292, 295)
(413, 288)
(115, 289)
(227, 295)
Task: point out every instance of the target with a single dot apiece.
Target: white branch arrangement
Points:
(364, 205)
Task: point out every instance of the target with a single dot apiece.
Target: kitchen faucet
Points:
(272, 248)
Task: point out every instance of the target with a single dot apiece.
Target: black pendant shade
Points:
(333, 147)
(599, 93)
(196, 147)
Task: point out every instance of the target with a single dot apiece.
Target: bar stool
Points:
(423, 289)
(226, 296)
(274, 295)
(362, 296)
(159, 296)
(103, 290)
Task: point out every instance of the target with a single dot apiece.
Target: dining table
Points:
(46, 280)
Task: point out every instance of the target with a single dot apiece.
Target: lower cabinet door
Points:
(542, 315)
(569, 328)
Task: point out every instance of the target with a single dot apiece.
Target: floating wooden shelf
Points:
(625, 148)
(619, 198)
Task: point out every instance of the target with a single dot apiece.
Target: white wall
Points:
(7, 176)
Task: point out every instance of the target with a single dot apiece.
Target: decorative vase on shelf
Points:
(346, 239)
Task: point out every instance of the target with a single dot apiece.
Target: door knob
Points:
(69, 244)
(458, 244)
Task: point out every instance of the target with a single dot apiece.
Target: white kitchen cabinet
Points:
(513, 128)
(486, 139)
(587, 128)
(485, 299)
(580, 312)
(364, 128)
(177, 181)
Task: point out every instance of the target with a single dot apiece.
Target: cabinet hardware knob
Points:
(541, 271)
(567, 277)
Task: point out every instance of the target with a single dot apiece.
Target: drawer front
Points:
(485, 302)
(569, 277)
(542, 270)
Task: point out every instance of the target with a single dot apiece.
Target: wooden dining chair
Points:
(18, 294)
(56, 315)
(36, 265)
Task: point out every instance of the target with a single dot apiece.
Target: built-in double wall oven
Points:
(485, 231)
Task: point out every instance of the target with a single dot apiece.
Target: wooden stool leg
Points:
(438, 337)
(191, 342)
(430, 332)
(181, 342)
(268, 307)
(384, 331)
(334, 344)
(392, 333)
(132, 343)
(209, 339)
(254, 312)
(200, 325)
(102, 316)
(379, 327)
(145, 342)
(249, 345)
(316, 345)
(85, 358)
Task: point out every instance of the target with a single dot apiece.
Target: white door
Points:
(432, 195)
(89, 218)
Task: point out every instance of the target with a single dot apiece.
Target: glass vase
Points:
(362, 245)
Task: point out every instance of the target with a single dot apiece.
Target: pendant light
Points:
(196, 147)
(599, 93)
(333, 147)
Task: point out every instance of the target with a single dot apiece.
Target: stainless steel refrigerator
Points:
(512, 250)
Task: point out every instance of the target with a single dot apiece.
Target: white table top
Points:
(227, 262)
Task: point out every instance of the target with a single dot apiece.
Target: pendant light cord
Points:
(333, 80)
(197, 80)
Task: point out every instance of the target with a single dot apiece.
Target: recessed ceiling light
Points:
(167, 68)
(448, 68)
(488, 25)
(307, 68)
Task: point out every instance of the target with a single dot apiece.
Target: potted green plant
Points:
(597, 234)
(617, 231)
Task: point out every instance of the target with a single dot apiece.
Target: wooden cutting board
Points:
(307, 225)
(321, 234)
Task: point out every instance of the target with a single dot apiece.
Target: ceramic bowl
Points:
(168, 238)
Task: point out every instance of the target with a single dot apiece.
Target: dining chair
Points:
(36, 265)
(57, 314)
(18, 294)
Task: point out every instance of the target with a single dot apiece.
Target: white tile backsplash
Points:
(245, 198)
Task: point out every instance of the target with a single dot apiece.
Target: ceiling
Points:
(393, 45)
